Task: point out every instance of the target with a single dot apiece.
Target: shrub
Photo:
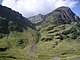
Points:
(60, 37)
(66, 32)
(73, 36)
(20, 41)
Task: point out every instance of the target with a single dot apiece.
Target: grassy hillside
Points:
(50, 41)
(62, 40)
(17, 44)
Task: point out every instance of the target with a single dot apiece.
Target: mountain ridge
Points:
(14, 18)
(64, 14)
(61, 13)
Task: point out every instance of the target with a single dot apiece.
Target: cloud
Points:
(33, 7)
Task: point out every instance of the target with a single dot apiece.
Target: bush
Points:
(60, 37)
(20, 41)
(46, 39)
(15, 26)
(49, 28)
(66, 32)
(73, 36)
(1, 35)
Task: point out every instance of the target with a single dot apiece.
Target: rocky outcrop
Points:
(36, 19)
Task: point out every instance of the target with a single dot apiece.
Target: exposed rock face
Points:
(60, 15)
(59, 24)
(36, 19)
(66, 13)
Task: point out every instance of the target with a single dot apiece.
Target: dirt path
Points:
(78, 58)
(57, 58)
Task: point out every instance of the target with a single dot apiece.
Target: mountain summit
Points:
(67, 14)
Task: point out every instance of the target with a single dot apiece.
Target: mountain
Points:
(63, 15)
(16, 32)
(42, 37)
(36, 19)
(60, 33)
(10, 17)
(61, 19)
(61, 24)
(12, 21)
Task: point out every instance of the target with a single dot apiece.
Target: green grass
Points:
(42, 45)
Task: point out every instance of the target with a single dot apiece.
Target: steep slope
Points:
(60, 33)
(61, 15)
(12, 21)
(60, 21)
(16, 33)
(14, 18)
(36, 19)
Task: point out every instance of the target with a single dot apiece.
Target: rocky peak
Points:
(36, 19)
(67, 13)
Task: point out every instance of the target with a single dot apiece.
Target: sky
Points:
(33, 7)
(1, 1)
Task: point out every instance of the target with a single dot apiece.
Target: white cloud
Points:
(33, 7)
